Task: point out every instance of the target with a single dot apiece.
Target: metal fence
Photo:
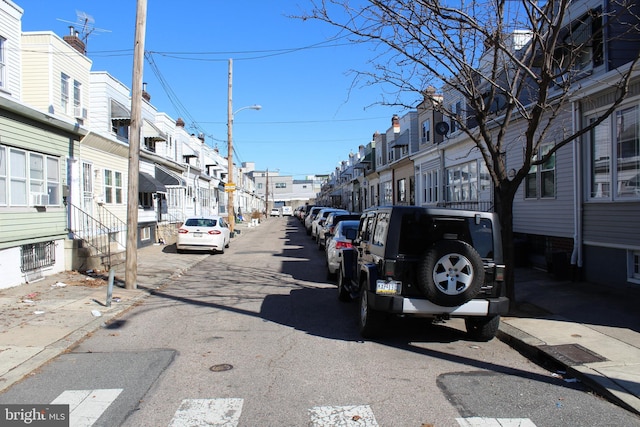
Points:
(37, 255)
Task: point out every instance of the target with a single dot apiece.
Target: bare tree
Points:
(509, 61)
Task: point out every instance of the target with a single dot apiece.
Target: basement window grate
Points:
(37, 255)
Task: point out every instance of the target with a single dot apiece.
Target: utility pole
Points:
(131, 264)
(266, 208)
(230, 190)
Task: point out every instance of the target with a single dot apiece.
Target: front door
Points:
(87, 188)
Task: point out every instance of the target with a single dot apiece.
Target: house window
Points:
(3, 43)
(616, 176)
(37, 255)
(28, 179)
(281, 185)
(145, 233)
(430, 184)
(120, 127)
(387, 194)
(64, 92)
(462, 182)
(582, 45)
(77, 94)
(259, 186)
(36, 173)
(18, 177)
(426, 132)
(541, 180)
(53, 180)
(634, 266)
(402, 190)
(112, 187)
(456, 111)
(145, 201)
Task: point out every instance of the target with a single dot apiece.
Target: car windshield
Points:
(200, 222)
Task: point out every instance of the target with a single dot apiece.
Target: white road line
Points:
(342, 416)
(207, 412)
(495, 422)
(86, 406)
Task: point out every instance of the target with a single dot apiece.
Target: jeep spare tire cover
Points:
(450, 273)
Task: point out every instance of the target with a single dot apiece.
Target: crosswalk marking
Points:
(207, 412)
(342, 416)
(86, 406)
(495, 422)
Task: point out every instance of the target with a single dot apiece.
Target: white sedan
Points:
(204, 234)
(344, 234)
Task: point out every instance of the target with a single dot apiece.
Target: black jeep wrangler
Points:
(428, 262)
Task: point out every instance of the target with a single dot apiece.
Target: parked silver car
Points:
(344, 233)
(320, 218)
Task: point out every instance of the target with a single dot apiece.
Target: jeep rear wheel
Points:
(370, 320)
(343, 293)
(450, 273)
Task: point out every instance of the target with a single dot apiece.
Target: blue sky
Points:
(298, 71)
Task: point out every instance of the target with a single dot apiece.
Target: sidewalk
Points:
(591, 333)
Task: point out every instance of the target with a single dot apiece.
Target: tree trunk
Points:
(505, 193)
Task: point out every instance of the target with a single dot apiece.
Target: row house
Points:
(580, 210)
(64, 148)
(36, 149)
(277, 190)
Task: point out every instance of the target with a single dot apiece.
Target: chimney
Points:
(395, 122)
(74, 41)
(180, 122)
(145, 94)
(201, 137)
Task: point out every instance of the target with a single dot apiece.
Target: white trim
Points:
(423, 306)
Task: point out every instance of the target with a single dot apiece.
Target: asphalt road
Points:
(257, 337)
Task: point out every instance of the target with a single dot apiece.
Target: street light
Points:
(230, 188)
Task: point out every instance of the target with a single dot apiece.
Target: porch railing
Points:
(92, 232)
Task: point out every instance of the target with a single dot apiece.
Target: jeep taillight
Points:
(388, 268)
(499, 273)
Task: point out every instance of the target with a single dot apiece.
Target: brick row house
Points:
(64, 148)
(579, 212)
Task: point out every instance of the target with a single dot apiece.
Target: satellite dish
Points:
(442, 128)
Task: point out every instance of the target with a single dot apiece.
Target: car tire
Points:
(370, 321)
(482, 328)
(450, 273)
(343, 293)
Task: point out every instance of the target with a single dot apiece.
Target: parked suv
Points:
(437, 263)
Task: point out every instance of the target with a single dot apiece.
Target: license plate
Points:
(197, 234)
(388, 288)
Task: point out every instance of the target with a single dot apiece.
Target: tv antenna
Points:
(84, 25)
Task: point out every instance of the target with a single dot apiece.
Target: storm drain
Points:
(572, 354)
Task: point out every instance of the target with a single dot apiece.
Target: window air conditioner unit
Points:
(79, 113)
(39, 199)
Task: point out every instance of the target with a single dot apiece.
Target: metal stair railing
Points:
(91, 231)
(117, 227)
